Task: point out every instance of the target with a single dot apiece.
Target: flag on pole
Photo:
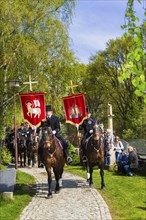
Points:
(33, 106)
(75, 109)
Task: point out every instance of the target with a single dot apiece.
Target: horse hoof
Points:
(91, 185)
(50, 196)
(103, 187)
(57, 191)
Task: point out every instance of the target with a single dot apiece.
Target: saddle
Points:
(84, 142)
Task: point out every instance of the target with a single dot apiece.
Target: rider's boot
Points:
(84, 157)
(40, 158)
(67, 157)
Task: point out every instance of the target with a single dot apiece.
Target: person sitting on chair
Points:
(54, 123)
(87, 126)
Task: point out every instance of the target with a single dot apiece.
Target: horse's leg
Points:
(57, 177)
(87, 171)
(28, 154)
(25, 152)
(20, 156)
(21, 160)
(90, 179)
(60, 178)
(33, 159)
(102, 176)
(49, 182)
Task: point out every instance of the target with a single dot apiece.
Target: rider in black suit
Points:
(54, 123)
(87, 126)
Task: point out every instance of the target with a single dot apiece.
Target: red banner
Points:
(33, 106)
(75, 109)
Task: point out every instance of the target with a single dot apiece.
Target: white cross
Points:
(30, 83)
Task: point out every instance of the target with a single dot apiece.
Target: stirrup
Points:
(41, 165)
(84, 159)
(69, 160)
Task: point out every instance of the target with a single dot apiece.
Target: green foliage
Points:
(128, 134)
(6, 156)
(134, 65)
(34, 41)
(2, 167)
(103, 73)
(73, 154)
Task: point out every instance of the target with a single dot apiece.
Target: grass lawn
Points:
(125, 196)
(11, 209)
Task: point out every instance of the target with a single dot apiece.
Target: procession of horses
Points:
(53, 156)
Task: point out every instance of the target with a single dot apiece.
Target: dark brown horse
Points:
(22, 149)
(53, 157)
(95, 155)
(32, 147)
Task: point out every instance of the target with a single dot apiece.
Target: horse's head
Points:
(96, 132)
(47, 134)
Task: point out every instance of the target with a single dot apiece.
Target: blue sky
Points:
(95, 22)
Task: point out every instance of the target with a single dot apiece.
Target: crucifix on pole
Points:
(72, 86)
(30, 83)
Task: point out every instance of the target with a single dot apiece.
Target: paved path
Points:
(75, 201)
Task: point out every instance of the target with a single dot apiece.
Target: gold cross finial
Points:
(72, 86)
(30, 83)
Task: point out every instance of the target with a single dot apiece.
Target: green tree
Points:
(33, 36)
(135, 60)
(102, 86)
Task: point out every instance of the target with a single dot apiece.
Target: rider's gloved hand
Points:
(54, 132)
(91, 131)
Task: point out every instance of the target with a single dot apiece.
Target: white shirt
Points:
(118, 146)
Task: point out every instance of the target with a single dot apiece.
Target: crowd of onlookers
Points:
(125, 159)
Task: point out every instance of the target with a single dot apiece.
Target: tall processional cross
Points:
(72, 86)
(30, 83)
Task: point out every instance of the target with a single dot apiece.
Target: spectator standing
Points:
(107, 146)
(118, 148)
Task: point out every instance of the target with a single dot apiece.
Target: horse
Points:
(10, 143)
(32, 147)
(53, 157)
(95, 155)
(22, 149)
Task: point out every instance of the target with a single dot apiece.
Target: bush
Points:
(128, 134)
(2, 167)
(6, 156)
(73, 155)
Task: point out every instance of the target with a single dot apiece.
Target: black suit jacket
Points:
(54, 123)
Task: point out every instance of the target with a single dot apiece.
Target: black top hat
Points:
(49, 108)
(88, 110)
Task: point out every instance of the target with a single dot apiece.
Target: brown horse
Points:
(32, 147)
(22, 149)
(95, 155)
(53, 157)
